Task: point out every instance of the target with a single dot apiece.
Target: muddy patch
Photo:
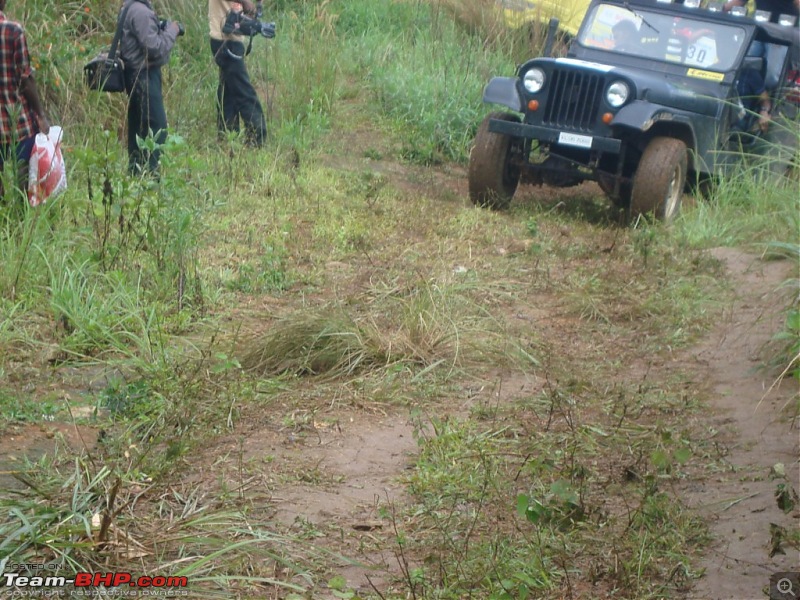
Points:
(24, 444)
(356, 466)
(336, 480)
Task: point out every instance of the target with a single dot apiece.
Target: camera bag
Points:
(106, 71)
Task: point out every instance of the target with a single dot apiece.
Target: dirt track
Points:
(749, 418)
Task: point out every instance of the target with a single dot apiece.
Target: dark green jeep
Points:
(646, 102)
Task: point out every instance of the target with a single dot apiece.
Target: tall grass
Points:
(787, 341)
(758, 202)
(429, 77)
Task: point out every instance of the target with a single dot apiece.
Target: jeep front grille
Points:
(573, 100)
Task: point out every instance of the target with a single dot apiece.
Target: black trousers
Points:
(236, 98)
(146, 116)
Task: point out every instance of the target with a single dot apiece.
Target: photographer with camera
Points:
(145, 47)
(229, 22)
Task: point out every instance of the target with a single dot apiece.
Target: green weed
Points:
(787, 341)
(16, 409)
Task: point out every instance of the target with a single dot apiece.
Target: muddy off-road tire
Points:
(492, 178)
(660, 178)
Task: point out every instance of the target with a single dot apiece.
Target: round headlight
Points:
(617, 93)
(533, 80)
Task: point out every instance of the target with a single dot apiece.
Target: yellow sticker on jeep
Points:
(703, 74)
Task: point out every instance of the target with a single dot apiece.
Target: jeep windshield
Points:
(663, 37)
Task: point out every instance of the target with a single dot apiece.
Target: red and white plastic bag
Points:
(47, 174)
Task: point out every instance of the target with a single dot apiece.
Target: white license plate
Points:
(573, 139)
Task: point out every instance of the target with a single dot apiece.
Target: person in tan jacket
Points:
(237, 101)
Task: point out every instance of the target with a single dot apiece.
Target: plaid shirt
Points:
(17, 120)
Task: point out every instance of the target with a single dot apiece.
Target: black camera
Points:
(238, 23)
(163, 25)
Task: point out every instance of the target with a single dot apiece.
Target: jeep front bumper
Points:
(556, 136)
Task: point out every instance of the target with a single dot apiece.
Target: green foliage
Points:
(418, 73)
(439, 124)
(98, 311)
(15, 409)
(356, 18)
(459, 477)
(20, 230)
(472, 476)
(743, 209)
(268, 276)
(791, 334)
(561, 504)
(132, 400)
(302, 63)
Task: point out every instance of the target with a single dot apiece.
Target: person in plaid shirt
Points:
(21, 112)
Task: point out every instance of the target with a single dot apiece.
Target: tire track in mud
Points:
(748, 419)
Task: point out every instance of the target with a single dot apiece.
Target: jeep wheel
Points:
(660, 179)
(492, 178)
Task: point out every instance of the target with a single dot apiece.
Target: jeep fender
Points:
(654, 119)
(643, 116)
(503, 91)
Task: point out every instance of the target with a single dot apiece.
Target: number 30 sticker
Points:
(702, 53)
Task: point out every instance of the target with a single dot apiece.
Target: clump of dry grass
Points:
(314, 343)
(333, 344)
(512, 31)
(424, 327)
(478, 17)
